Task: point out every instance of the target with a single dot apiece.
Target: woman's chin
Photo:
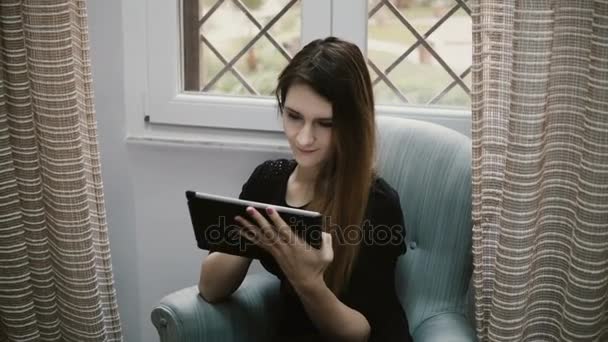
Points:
(306, 161)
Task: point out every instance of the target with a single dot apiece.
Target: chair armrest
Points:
(248, 315)
(445, 327)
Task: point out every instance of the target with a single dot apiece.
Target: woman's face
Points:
(307, 122)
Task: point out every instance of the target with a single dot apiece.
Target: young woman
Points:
(345, 290)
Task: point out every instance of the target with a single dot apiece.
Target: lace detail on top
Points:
(277, 169)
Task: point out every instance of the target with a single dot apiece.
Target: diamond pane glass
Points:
(423, 47)
(238, 47)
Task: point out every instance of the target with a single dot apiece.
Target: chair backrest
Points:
(430, 166)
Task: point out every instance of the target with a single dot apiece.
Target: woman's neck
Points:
(305, 176)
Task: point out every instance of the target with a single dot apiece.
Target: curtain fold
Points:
(540, 170)
(56, 280)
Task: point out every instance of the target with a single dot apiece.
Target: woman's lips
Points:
(306, 151)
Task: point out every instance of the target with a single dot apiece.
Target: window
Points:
(419, 51)
(214, 63)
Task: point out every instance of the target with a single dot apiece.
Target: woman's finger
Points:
(285, 233)
(259, 218)
(246, 223)
(269, 234)
(255, 235)
(327, 250)
(247, 230)
(266, 236)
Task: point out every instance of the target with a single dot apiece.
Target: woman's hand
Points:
(301, 263)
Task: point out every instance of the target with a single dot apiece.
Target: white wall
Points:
(153, 251)
(107, 66)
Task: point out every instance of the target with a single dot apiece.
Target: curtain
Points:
(56, 279)
(540, 170)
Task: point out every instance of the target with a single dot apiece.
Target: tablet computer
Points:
(215, 228)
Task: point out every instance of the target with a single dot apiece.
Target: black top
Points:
(371, 289)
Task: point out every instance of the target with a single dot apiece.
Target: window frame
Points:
(169, 104)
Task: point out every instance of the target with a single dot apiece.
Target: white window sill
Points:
(274, 141)
(214, 138)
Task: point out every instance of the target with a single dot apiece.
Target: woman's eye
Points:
(326, 124)
(293, 116)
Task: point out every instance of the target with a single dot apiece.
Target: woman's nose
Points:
(305, 136)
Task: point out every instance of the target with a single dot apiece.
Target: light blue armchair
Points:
(430, 167)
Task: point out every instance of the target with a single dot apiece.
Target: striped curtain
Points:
(55, 273)
(540, 169)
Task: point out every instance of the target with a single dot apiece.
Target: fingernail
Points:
(269, 210)
(250, 210)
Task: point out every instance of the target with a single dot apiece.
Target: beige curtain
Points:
(55, 273)
(540, 170)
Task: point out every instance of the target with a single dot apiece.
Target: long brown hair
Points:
(337, 71)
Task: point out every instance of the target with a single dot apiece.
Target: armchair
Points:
(430, 166)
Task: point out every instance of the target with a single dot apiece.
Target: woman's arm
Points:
(334, 319)
(221, 274)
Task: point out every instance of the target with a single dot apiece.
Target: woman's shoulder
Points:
(386, 212)
(264, 182)
(385, 204)
(382, 191)
(273, 169)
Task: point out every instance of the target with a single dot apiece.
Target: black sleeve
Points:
(387, 236)
(372, 289)
(252, 187)
(397, 226)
